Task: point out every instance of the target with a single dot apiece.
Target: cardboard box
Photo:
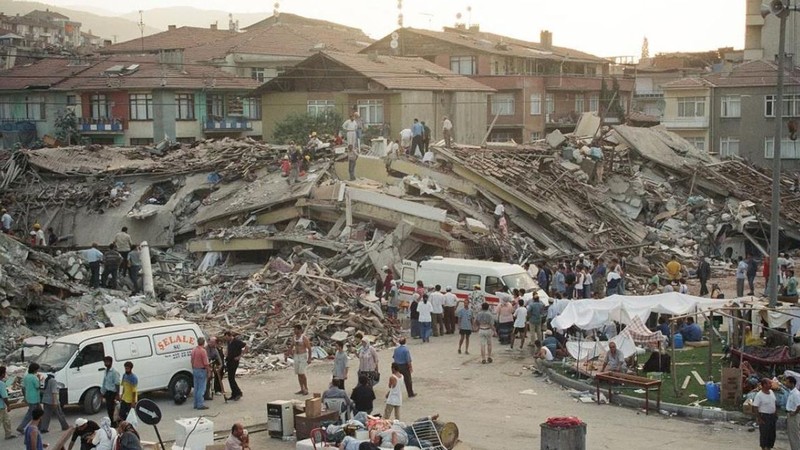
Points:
(313, 407)
(748, 408)
(731, 385)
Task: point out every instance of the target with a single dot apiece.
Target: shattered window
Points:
(466, 281)
(235, 105)
(5, 108)
(550, 104)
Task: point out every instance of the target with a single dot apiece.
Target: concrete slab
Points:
(396, 204)
(230, 245)
(588, 125)
(448, 181)
(555, 139)
(617, 185)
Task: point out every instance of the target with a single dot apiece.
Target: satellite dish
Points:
(393, 44)
(395, 35)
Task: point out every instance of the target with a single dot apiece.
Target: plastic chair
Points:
(318, 436)
(338, 404)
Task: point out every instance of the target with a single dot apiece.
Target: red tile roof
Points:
(179, 38)
(43, 74)
(753, 74)
(391, 72)
(687, 83)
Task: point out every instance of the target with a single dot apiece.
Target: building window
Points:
(691, 106)
(257, 73)
(252, 108)
(536, 104)
(371, 111)
(579, 104)
(34, 107)
(503, 104)
(728, 147)
(235, 105)
(215, 105)
(698, 142)
(98, 106)
(141, 106)
(5, 108)
(731, 106)
(594, 102)
(463, 65)
(535, 135)
(72, 100)
(550, 104)
(141, 141)
(789, 148)
(791, 105)
(319, 107)
(185, 105)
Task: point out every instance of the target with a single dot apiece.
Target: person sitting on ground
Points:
(691, 332)
(614, 360)
(556, 348)
(543, 351)
(663, 326)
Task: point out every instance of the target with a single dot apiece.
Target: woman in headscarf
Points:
(104, 437)
(127, 437)
(368, 360)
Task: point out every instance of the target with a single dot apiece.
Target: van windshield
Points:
(519, 281)
(56, 356)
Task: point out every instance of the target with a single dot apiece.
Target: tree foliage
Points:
(67, 127)
(610, 101)
(297, 127)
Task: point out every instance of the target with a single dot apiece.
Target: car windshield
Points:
(519, 281)
(56, 356)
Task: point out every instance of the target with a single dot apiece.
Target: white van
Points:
(463, 274)
(160, 352)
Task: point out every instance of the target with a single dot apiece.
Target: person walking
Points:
(703, 274)
(447, 131)
(110, 387)
(535, 309)
(340, 364)
(33, 437)
(741, 275)
(368, 360)
(93, 258)
(485, 321)
(792, 416)
(5, 420)
(465, 324)
(425, 311)
(234, 353)
(394, 398)
(402, 357)
(436, 298)
(300, 349)
(31, 394)
(52, 405)
(200, 369)
(414, 316)
(130, 391)
(752, 271)
(766, 417)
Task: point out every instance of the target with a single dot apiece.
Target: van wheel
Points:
(92, 401)
(180, 385)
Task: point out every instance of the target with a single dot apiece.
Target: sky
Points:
(602, 27)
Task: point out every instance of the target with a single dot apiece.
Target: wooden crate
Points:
(731, 386)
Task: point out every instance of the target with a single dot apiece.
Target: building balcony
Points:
(218, 124)
(105, 125)
(683, 123)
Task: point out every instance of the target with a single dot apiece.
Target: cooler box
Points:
(192, 437)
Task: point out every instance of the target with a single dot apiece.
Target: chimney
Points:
(214, 26)
(171, 28)
(107, 43)
(546, 39)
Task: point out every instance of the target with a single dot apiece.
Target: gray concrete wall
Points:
(165, 112)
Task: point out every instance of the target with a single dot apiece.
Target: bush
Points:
(297, 127)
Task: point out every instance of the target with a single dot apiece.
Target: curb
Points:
(694, 412)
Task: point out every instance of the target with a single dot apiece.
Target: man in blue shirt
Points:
(402, 357)
(417, 136)
(691, 332)
(4, 418)
(30, 390)
(93, 258)
(110, 387)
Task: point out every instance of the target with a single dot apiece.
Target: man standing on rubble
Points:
(235, 350)
(450, 303)
(447, 131)
(93, 257)
(352, 157)
(437, 310)
(499, 212)
(111, 262)
(703, 274)
(417, 136)
(123, 242)
(6, 221)
(674, 269)
(350, 128)
(300, 349)
(134, 267)
(426, 136)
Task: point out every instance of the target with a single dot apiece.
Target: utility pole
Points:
(141, 29)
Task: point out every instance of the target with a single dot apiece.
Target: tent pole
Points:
(672, 360)
(710, 319)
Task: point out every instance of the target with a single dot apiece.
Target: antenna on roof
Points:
(141, 28)
(400, 13)
(275, 10)
(469, 16)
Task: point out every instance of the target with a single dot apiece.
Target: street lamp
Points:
(781, 9)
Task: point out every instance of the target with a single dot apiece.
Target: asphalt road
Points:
(485, 401)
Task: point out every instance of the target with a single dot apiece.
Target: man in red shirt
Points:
(200, 369)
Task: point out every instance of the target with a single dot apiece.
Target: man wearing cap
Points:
(450, 303)
(84, 430)
(6, 221)
(40, 239)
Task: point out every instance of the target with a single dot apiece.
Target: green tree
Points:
(67, 127)
(296, 127)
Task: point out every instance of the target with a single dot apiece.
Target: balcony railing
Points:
(648, 94)
(102, 125)
(226, 124)
(685, 122)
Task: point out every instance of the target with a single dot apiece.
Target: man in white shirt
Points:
(447, 131)
(792, 416)
(520, 319)
(437, 310)
(450, 303)
(499, 211)
(765, 406)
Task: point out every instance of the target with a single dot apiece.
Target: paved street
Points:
(483, 400)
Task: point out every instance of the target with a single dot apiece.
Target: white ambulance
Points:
(160, 352)
(462, 275)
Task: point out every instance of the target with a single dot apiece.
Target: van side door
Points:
(86, 370)
(408, 276)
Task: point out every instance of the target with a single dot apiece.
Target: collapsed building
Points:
(240, 248)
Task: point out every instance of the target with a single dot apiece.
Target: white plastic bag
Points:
(132, 419)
